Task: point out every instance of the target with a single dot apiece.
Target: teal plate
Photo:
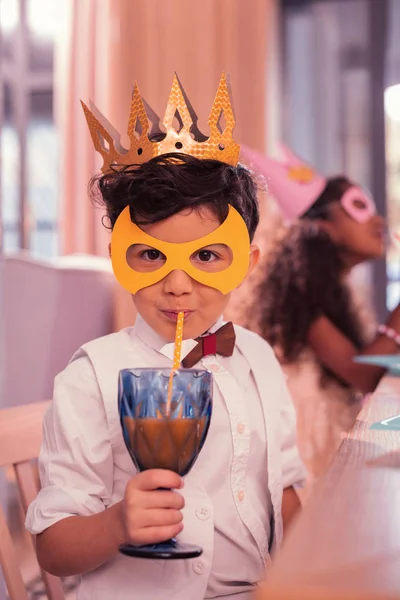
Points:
(391, 362)
(392, 424)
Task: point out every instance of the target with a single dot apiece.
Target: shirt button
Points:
(198, 567)
(240, 496)
(202, 513)
(240, 428)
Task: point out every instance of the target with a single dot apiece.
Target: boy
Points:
(181, 233)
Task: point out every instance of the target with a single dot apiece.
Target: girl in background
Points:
(307, 309)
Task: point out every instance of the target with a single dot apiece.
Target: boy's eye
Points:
(212, 259)
(152, 254)
(206, 255)
(144, 259)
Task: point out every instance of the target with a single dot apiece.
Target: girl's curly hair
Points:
(304, 279)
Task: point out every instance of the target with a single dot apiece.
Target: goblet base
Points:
(168, 550)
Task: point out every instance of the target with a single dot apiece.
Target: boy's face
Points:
(160, 303)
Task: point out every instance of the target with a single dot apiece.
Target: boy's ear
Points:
(109, 249)
(254, 258)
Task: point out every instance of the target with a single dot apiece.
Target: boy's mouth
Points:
(172, 315)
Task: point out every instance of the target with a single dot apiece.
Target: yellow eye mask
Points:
(228, 247)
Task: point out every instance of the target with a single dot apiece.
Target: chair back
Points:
(20, 441)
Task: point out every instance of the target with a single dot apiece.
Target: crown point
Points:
(186, 138)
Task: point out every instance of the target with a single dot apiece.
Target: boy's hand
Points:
(152, 515)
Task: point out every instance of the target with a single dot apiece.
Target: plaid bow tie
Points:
(221, 342)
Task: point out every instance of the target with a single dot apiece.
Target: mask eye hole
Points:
(212, 259)
(144, 259)
(359, 204)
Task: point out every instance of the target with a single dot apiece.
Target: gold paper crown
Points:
(148, 140)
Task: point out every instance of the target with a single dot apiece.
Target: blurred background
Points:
(321, 75)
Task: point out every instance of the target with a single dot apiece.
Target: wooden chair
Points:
(20, 439)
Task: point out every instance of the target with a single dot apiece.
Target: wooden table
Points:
(347, 538)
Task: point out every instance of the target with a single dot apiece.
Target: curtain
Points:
(108, 44)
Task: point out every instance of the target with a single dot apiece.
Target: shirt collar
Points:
(147, 335)
(217, 325)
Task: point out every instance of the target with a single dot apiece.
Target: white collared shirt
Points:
(85, 466)
(236, 558)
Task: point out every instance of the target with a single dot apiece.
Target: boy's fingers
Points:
(154, 479)
(154, 535)
(163, 499)
(161, 517)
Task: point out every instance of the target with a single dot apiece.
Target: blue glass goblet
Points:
(164, 435)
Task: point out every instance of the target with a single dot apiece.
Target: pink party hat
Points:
(293, 183)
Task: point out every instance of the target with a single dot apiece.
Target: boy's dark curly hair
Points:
(305, 279)
(167, 184)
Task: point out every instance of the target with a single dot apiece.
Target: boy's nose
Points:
(178, 283)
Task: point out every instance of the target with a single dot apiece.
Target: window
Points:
(29, 141)
(335, 74)
(392, 123)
